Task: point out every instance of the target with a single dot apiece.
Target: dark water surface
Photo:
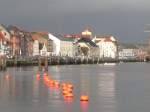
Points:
(119, 88)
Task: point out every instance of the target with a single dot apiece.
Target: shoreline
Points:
(68, 62)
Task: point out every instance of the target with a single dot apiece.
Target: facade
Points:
(133, 54)
(125, 54)
(107, 46)
(62, 46)
(86, 47)
(42, 44)
(36, 50)
(4, 41)
(20, 42)
(5, 33)
(43, 51)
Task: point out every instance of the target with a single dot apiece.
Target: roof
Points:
(62, 38)
(103, 36)
(87, 40)
(106, 38)
(40, 34)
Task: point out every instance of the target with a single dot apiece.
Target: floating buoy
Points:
(68, 89)
(65, 92)
(64, 84)
(70, 86)
(84, 98)
(70, 95)
(67, 85)
(65, 88)
(51, 82)
(56, 84)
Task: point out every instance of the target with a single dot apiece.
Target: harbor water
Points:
(122, 87)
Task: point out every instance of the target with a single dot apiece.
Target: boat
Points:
(111, 64)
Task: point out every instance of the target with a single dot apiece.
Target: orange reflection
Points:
(38, 76)
(7, 76)
(84, 105)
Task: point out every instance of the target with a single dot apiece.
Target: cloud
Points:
(105, 16)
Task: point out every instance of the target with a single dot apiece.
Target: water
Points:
(121, 88)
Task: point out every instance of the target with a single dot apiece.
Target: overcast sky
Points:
(125, 19)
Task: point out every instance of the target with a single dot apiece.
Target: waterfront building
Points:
(4, 32)
(62, 46)
(43, 51)
(41, 45)
(107, 46)
(4, 41)
(133, 54)
(127, 54)
(86, 47)
(133, 51)
(20, 42)
(36, 50)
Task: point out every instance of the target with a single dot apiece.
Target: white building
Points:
(36, 48)
(127, 54)
(107, 46)
(62, 46)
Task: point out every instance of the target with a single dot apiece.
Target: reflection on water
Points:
(20, 89)
(84, 83)
(106, 89)
(84, 106)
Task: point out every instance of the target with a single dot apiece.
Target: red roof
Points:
(108, 40)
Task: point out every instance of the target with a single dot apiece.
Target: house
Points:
(86, 47)
(42, 44)
(4, 41)
(5, 32)
(43, 51)
(127, 54)
(20, 42)
(36, 51)
(62, 46)
(132, 52)
(107, 46)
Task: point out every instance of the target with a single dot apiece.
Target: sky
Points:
(124, 19)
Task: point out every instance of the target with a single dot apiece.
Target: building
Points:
(107, 46)
(86, 47)
(43, 51)
(127, 54)
(20, 42)
(133, 52)
(4, 41)
(5, 32)
(62, 46)
(42, 44)
(36, 51)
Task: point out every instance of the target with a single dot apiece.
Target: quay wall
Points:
(66, 61)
